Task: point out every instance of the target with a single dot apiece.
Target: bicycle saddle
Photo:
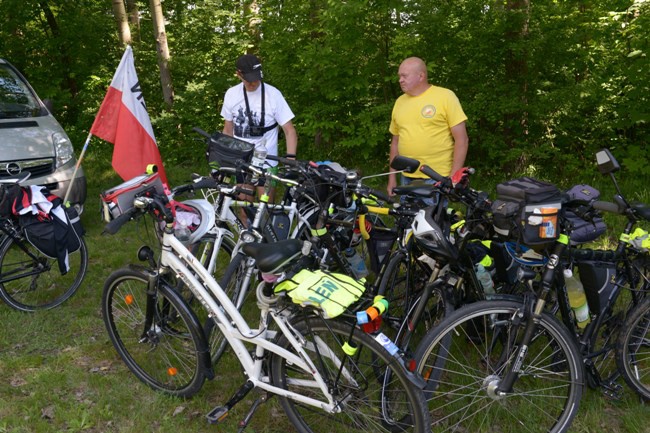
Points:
(415, 190)
(271, 258)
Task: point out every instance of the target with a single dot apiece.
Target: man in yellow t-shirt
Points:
(427, 124)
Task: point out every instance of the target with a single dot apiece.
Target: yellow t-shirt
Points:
(423, 124)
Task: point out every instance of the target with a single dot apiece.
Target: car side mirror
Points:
(402, 163)
(606, 162)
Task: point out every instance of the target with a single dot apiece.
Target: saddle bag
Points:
(527, 210)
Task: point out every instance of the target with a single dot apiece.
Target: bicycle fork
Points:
(531, 319)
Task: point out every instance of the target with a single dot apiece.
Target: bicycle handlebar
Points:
(115, 225)
(607, 206)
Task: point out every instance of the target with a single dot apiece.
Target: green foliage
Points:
(544, 86)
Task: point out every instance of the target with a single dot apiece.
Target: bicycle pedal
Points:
(218, 414)
(614, 391)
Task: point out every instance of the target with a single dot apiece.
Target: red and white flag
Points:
(123, 120)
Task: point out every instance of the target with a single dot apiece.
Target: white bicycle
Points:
(327, 373)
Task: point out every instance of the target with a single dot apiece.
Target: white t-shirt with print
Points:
(276, 111)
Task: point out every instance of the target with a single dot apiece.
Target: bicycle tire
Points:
(360, 391)
(401, 283)
(464, 358)
(633, 349)
(46, 288)
(170, 354)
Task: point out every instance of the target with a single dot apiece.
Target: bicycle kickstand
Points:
(244, 423)
(220, 413)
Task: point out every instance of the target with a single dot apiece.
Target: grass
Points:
(60, 373)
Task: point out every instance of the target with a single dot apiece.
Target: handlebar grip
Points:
(381, 195)
(114, 226)
(378, 210)
(205, 182)
(607, 206)
(202, 132)
(431, 173)
(285, 161)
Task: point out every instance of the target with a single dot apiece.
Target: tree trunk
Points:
(253, 21)
(516, 73)
(134, 16)
(122, 24)
(163, 51)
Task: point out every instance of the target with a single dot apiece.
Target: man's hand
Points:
(460, 179)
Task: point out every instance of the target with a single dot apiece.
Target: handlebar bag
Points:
(119, 199)
(224, 151)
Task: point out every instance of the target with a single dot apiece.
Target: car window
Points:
(16, 100)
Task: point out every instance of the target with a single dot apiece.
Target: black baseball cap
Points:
(250, 67)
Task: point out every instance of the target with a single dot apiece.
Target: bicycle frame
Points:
(9, 230)
(177, 258)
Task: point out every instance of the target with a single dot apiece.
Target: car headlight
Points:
(62, 148)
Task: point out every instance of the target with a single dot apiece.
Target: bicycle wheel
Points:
(465, 358)
(31, 284)
(156, 334)
(633, 349)
(366, 402)
(238, 280)
(401, 283)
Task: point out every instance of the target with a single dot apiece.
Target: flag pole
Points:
(76, 168)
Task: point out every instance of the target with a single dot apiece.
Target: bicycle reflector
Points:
(128, 299)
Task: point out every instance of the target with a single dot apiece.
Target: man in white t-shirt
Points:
(253, 110)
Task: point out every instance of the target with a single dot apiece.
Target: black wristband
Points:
(290, 155)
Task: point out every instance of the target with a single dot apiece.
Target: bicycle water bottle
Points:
(259, 157)
(356, 263)
(577, 298)
(485, 279)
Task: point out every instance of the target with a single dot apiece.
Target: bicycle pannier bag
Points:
(119, 199)
(51, 235)
(527, 209)
(8, 195)
(224, 150)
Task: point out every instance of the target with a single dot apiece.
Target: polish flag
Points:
(123, 120)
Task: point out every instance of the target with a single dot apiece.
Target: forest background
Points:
(544, 83)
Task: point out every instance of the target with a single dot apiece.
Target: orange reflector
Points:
(427, 374)
(172, 371)
(128, 299)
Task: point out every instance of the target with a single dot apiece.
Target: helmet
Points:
(430, 237)
(206, 212)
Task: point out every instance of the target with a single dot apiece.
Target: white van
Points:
(32, 140)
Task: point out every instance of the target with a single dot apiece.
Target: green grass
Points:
(60, 373)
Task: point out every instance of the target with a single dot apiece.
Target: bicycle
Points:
(513, 362)
(29, 279)
(310, 363)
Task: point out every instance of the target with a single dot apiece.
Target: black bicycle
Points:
(500, 363)
(31, 279)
